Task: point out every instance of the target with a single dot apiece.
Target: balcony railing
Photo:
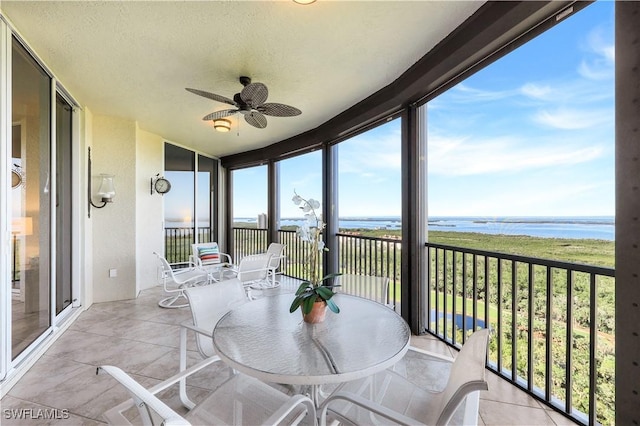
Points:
(548, 335)
(380, 257)
(357, 255)
(177, 242)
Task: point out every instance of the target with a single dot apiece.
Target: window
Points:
(249, 211)
(369, 204)
(302, 175)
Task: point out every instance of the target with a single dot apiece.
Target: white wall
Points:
(114, 226)
(149, 210)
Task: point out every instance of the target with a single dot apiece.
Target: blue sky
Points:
(530, 135)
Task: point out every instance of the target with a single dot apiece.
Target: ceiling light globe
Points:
(222, 125)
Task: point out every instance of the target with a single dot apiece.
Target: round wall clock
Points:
(17, 177)
(162, 185)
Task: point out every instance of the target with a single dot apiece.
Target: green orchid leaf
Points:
(332, 305)
(303, 287)
(307, 305)
(324, 292)
(295, 304)
(328, 281)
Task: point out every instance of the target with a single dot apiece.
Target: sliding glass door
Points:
(30, 198)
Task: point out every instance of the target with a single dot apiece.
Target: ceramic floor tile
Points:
(432, 344)
(501, 390)
(496, 413)
(558, 418)
(152, 332)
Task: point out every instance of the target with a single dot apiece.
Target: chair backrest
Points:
(209, 303)
(208, 253)
(276, 250)
(467, 374)
(253, 268)
(164, 271)
(367, 286)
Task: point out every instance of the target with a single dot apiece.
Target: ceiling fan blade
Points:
(212, 96)
(278, 110)
(256, 119)
(254, 94)
(219, 114)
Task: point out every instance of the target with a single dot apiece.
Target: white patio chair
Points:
(174, 281)
(241, 400)
(388, 397)
(208, 257)
(208, 304)
(367, 286)
(253, 271)
(276, 250)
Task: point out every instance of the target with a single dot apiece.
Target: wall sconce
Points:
(106, 191)
(222, 125)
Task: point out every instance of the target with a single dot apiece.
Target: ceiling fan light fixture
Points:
(222, 125)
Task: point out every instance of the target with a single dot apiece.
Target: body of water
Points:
(592, 227)
(580, 227)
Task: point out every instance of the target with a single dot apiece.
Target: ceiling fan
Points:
(250, 102)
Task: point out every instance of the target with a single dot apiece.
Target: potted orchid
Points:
(314, 293)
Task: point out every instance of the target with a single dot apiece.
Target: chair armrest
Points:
(140, 395)
(228, 257)
(294, 402)
(367, 405)
(196, 329)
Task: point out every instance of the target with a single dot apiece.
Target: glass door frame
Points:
(7, 364)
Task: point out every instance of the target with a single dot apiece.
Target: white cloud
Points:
(465, 93)
(464, 157)
(537, 91)
(368, 154)
(571, 119)
(599, 65)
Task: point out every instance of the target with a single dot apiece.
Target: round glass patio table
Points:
(264, 340)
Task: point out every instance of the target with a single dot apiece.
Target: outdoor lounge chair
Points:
(253, 272)
(276, 250)
(241, 400)
(208, 257)
(174, 281)
(367, 286)
(208, 304)
(389, 397)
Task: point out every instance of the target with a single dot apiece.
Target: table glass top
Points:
(264, 340)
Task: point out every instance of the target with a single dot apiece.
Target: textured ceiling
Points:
(134, 59)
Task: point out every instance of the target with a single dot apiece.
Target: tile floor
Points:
(143, 340)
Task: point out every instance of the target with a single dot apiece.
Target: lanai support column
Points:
(627, 104)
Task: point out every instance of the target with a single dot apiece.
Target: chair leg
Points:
(183, 366)
(172, 302)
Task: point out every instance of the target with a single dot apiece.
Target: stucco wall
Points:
(114, 226)
(149, 210)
